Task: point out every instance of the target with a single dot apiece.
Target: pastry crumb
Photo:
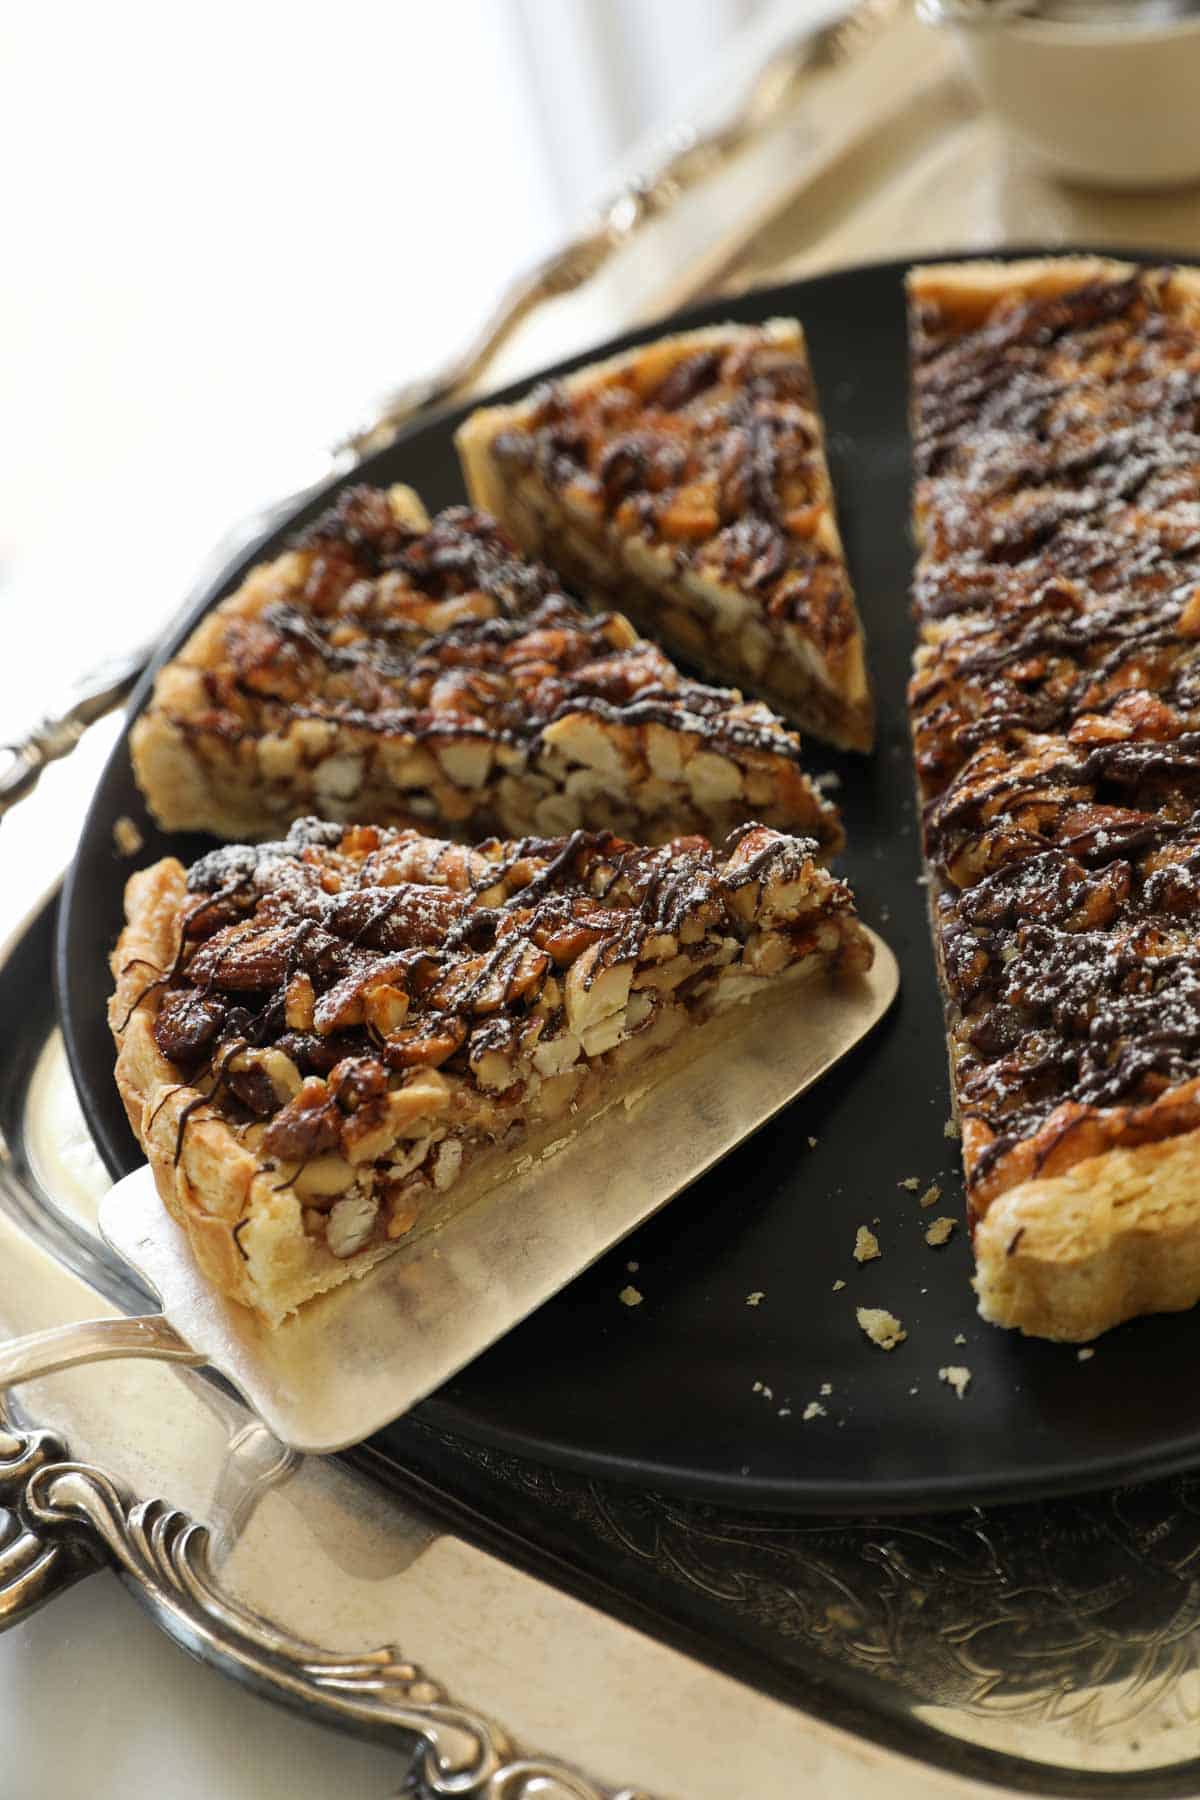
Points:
(633, 1267)
(957, 1377)
(814, 1410)
(960, 1337)
(754, 1298)
(827, 1388)
(911, 1182)
(866, 1246)
(629, 1296)
(126, 836)
(1086, 1354)
(938, 1231)
(785, 1412)
(951, 1129)
(812, 1143)
(882, 1327)
(932, 1195)
(838, 1286)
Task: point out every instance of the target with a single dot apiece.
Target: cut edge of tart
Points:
(686, 482)
(324, 1043)
(418, 672)
(1056, 722)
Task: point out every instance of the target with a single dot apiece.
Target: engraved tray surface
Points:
(696, 1389)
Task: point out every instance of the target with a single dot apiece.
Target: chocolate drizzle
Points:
(406, 952)
(1056, 706)
(718, 460)
(450, 635)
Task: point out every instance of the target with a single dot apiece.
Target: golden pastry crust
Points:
(1056, 720)
(688, 479)
(246, 1231)
(1118, 1235)
(410, 672)
(323, 1042)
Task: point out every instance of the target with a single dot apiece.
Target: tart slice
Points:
(1056, 717)
(390, 669)
(686, 482)
(323, 1041)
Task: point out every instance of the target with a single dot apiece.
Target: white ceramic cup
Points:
(1113, 105)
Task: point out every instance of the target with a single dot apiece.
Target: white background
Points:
(228, 228)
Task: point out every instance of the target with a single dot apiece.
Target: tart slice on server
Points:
(685, 481)
(390, 669)
(323, 1041)
(1056, 718)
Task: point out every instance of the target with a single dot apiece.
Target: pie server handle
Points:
(93, 1340)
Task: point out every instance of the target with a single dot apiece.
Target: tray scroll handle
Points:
(67, 1518)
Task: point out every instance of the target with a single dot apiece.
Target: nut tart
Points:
(1056, 717)
(686, 482)
(324, 1041)
(391, 669)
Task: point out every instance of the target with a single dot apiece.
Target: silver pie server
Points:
(354, 1359)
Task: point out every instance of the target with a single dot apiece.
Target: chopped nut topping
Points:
(629, 1296)
(714, 477)
(938, 1231)
(399, 670)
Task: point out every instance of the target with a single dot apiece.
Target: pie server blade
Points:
(356, 1358)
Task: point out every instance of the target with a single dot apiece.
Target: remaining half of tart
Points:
(393, 670)
(686, 482)
(319, 1039)
(1056, 714)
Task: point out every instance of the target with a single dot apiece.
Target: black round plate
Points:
(698, 1388)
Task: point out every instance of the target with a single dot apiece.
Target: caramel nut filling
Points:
(373, 1009)
(424, 673)
(689, 477)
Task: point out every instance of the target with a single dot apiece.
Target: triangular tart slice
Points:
(323, 1041)
(685, 481)
(405, 671)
